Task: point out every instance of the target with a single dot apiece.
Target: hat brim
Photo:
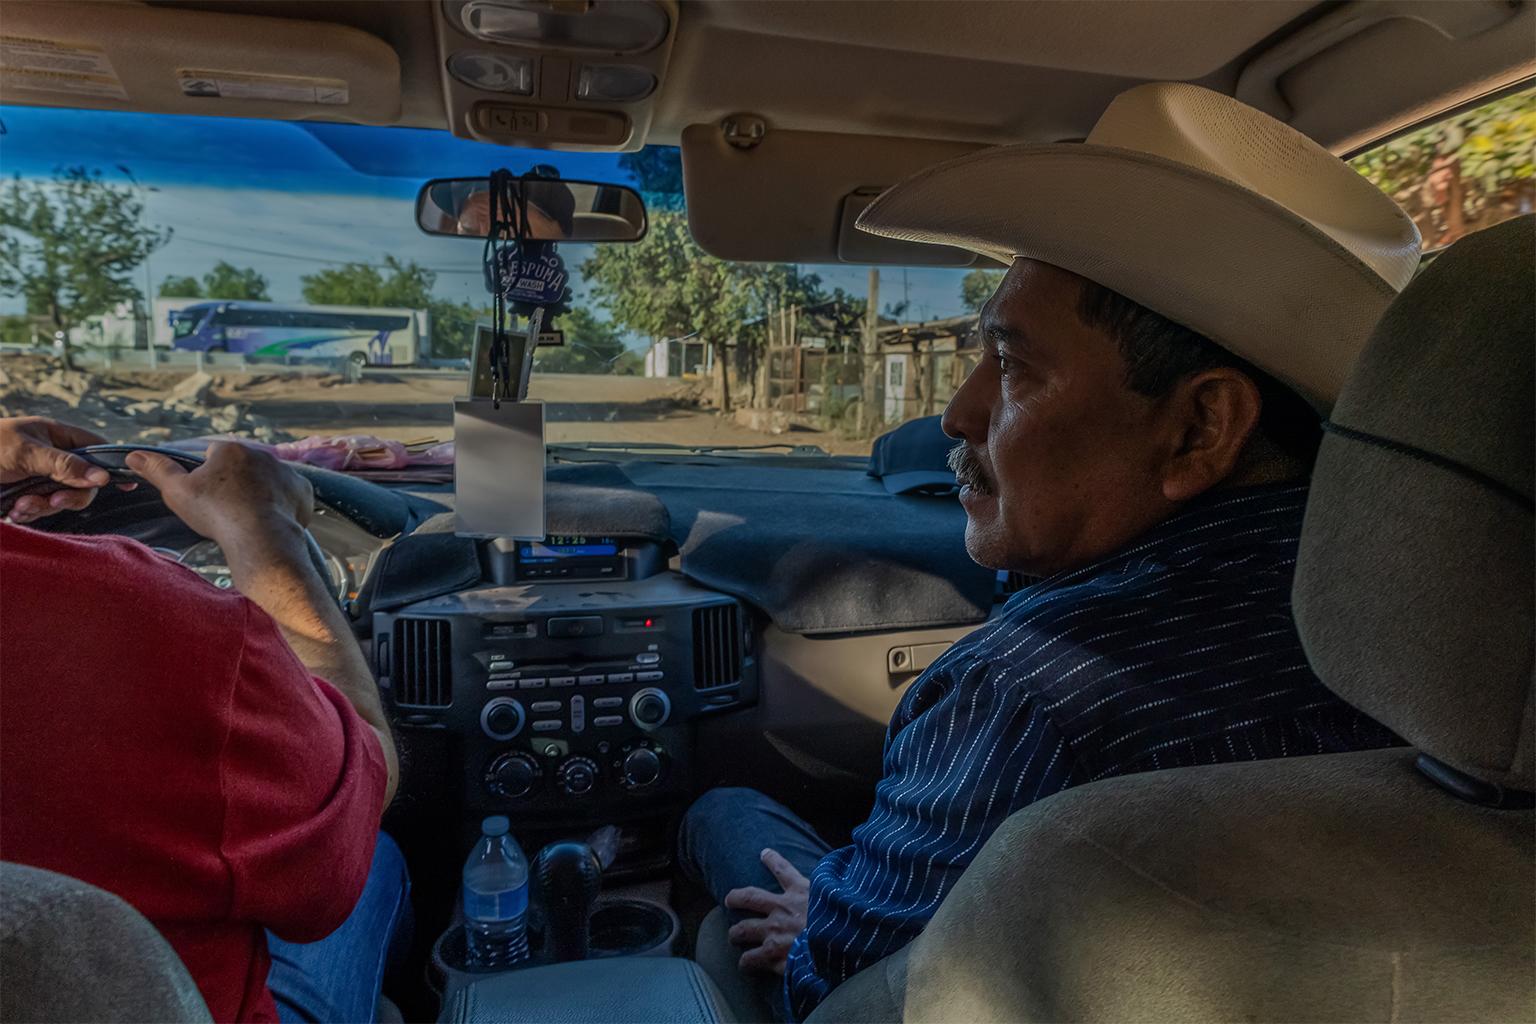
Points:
(920, 481)
(1221, 260)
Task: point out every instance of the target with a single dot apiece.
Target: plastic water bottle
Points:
(496, 899)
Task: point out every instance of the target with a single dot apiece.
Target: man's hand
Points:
(770, 936)
(237, 495)
(34, 446)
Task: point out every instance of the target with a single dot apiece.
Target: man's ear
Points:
(1212, 414)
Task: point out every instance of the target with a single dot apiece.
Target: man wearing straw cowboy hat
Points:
(1186, 292)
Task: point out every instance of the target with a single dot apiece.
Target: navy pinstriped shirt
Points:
(1178, 650)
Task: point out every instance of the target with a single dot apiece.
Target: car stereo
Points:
(571, 557)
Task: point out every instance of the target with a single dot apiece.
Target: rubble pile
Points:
(121, 410)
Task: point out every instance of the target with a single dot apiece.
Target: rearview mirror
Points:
(558, 210)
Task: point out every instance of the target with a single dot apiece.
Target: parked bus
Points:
(263, 331)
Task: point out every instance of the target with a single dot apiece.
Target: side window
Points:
(1464, 173)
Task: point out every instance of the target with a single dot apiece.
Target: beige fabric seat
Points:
(1335, 888)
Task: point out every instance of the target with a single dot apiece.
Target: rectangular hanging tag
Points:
(498, 469)
(519, 357)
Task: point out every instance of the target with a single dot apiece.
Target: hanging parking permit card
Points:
(498, 469)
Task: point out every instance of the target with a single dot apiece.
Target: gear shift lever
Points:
(568, 875)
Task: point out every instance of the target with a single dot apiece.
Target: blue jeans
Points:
(720, 847)
(340, 977)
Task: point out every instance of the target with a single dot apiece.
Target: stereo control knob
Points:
(641, 768)
(577, 776)
(512, 775)
(650, 708)
(502, 718)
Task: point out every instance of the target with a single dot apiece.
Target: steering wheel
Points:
(114, 459)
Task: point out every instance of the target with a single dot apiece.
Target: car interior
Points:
(702, 621)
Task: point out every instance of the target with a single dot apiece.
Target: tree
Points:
(362, 284)
(230, 282)
(69, 245)
(658, 172)
(667, 287)
(180, 288)
(591, 346)
(1464, 173)
(977, 287)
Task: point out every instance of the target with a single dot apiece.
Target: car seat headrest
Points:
(1414, 581)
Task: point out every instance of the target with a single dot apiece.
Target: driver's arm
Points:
(255, 508)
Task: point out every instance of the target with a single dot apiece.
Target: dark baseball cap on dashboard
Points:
(914, 458)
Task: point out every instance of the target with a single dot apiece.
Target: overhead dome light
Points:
(606, 26)
(614, 83)
(493, 72)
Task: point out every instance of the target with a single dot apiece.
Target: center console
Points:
(570, 678)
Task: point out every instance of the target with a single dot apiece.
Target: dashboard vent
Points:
(423, 658)
(1010, 583)
(716, 647)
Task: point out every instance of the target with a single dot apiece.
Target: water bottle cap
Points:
(495, 825)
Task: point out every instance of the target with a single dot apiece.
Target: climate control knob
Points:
(502, 718)
(512, 775)
(577, 776)
(642, 767)
(650, 708)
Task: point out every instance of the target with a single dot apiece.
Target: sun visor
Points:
(129, 56)
(793, 196)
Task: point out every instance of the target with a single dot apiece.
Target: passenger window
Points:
(1464, 173)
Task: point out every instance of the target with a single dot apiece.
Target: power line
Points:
(312, 259)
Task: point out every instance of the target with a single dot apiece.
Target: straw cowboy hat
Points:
(1207, 211)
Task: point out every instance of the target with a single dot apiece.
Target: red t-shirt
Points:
(160, 740)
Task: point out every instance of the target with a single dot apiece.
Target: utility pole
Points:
(869, 416)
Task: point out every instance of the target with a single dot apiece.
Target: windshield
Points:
(285, 261)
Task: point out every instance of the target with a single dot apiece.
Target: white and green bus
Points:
(264, 331)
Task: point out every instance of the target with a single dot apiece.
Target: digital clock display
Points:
(552, 550)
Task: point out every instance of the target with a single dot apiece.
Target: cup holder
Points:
(619, 927)
(624, 927)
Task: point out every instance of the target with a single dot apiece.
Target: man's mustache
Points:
(968, 469)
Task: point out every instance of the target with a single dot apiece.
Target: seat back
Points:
(1349, 887)
(70, 952)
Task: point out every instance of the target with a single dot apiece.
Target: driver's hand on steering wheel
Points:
(35, 446)
(239, 494)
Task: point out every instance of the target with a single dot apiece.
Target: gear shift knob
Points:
(568, 875)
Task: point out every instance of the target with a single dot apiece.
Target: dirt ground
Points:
(404, 406)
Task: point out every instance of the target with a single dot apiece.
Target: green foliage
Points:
(230, 282)
(69, 245)
(977, 287)
(658, 173)
(1464, 173)
(591, 346)
(180, 288)
(16, 330)
(453, 328)
(224, 281)
(406, 284)
(402, 284)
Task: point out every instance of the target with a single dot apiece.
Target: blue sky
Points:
(292, 198)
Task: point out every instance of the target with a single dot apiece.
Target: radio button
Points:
(578, 714)
(501, 683)
(593, 680)
(502, 718)
(650, 709)
(535, 683)
(621, 677)
(608, 702)
(562, 680)
(541, 707)
(608, 721)
(648, 677)
(547, 725)
(647, 658)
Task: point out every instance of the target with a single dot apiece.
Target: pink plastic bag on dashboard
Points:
(346, 451)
